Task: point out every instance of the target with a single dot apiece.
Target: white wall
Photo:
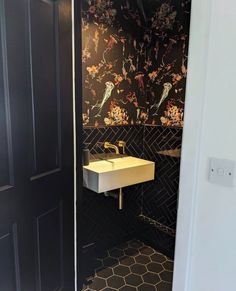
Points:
(205, 257)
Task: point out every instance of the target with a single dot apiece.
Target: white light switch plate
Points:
(222, 172)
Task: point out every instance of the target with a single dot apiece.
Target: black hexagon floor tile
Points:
(147, 250)
(166, 276)
(154, 267)
(98, 284)
(115, 282)
(142, 259)
(104, 273)
(138, 269)
(168, 265)
(133, 280)
(127, 261)
(159, 258)
(121, 270)
(151, 278)
(132, 266)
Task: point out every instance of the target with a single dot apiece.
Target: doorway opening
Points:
(134, 69)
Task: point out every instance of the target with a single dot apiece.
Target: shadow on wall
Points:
(134, 61)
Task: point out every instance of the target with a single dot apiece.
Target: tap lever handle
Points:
(122, 144)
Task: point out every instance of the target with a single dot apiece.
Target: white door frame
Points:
(192, 139)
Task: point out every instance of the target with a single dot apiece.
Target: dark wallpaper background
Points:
(134, 61)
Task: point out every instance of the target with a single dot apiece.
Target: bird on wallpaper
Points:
(167, 87)
(107, 94)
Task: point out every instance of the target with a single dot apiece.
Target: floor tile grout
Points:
(132, 266)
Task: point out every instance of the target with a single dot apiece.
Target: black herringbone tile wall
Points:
(94, 138)
(102, 224)
(159, 138)
(159, 197)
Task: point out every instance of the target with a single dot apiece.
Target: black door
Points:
(36, 146)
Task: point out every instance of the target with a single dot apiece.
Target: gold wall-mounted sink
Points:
(105, 175)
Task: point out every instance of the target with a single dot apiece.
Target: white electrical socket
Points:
(222, 172)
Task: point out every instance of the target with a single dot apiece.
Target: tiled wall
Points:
(134, 61)
(102, 222)
(94, 138)
(160, 197)
(150, 208)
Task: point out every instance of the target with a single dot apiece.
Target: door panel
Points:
(50, 250)
(6, 158)
(36, 146)
(45, 85)
(9, 272)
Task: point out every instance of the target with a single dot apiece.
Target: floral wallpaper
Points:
(134, 55)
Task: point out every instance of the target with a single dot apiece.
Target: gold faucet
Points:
(108, 145)
(120, 194)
